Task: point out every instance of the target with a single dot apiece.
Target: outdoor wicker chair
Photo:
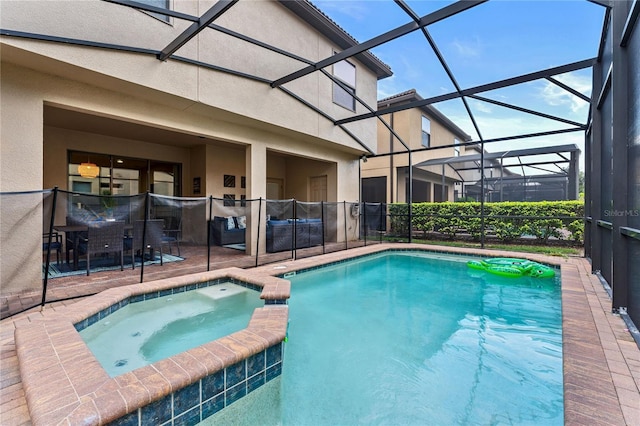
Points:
(172, 232)
(104, 237)
(56, 244)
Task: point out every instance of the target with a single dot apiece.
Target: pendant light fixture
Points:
(88, 169)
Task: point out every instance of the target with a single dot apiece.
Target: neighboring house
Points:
(385, 177)
(98, 82)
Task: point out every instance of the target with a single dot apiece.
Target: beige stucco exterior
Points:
(59, 97)
(407, 124)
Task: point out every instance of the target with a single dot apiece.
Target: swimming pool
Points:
(406, 338)
(155, 329)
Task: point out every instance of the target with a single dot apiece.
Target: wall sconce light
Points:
(88, 170)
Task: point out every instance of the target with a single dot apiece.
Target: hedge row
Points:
(508, 221)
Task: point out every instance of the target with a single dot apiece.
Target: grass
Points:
(539, 249)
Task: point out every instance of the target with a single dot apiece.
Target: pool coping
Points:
(601, 362)
(65, 384)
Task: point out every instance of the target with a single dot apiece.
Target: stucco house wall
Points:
(220, 122)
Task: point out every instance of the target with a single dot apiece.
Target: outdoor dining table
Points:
(74, 231)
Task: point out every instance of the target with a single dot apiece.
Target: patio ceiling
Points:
(417, 26)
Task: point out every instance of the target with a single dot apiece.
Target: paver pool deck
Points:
(601, 359)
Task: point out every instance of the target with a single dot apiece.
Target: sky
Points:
(493, 41)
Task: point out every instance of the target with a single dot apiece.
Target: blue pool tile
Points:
(273, 372)
(255, 382)
(166, 292)
(235, 393)
(255, 364)
(236, 373)
(137, 298)
(186, 398)
(92, 319)
(150, 296)
(180, 289)
(191, 287)
(81, 325)
(274, 354)
(157, 412)
(212, 385)
(190, 418)
(212, 406)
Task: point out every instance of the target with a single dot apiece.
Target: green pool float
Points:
(512, 267)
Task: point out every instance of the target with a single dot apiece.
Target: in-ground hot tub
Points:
(65, 383)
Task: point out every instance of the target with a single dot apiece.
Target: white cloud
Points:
(555, 95)
(480, 107)
(468, 48)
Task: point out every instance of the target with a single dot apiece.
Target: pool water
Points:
(405, 339)
(142, 333)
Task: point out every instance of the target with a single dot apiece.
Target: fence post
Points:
(293, 235)
(381, 219)
(209, 224)
(144, 235)
(322, 224)
(346, 244)
(258, 235)
(364, 222)
(46, 268)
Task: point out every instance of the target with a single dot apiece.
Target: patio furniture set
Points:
(280, 233)
(93, 238)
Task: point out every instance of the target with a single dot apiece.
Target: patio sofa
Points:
(280, 234)
(228, 230)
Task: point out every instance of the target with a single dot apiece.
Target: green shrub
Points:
(508, 221)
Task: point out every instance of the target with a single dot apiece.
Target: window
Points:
(346, 73)
(426, 132)
(123, 175)
(157, 3)
(456, 148)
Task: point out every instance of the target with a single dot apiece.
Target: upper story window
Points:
(456, 148)
(346, 73)
(157, 3)
(426, 132)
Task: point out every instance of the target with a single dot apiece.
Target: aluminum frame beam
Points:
(525, 78)
(630, 24)
(529, 111)
(207, 18)
(154, 9)
(400, 31)
(569, 89)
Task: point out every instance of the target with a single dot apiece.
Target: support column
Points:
(595, 160)
(620, 94)
(256, 167)
(572, 193)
